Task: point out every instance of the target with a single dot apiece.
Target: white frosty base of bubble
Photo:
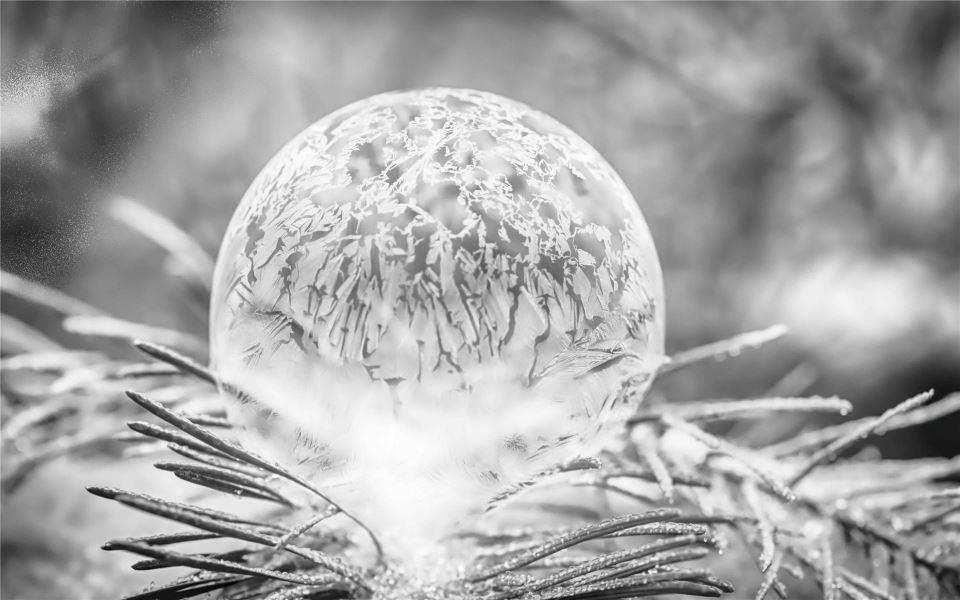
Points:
(413, 460)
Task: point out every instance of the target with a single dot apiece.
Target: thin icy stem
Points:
(832, 450)
(723, 349)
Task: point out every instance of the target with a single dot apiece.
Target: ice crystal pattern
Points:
(439, 287)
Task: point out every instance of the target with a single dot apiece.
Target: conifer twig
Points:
(184, 249)
(575, 537)
(714, 410)
(190, 586)
(831, 451)
(45, 296)
(218, 565)
(603, 561)
(307, 526)
(828, 576)
(741, 456)
(171, 357)
(234, 529)
(112, 327)
(644, 438)
(818, 437)
(235, 451)
(723, 349)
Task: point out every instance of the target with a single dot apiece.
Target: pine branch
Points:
(833, 449)
(111, 327)
(41, 295)
(231, 527)
(904, 523)
(216, 461)
(175, 437)
(216, 565)
(191, 258)
(153, 564)
(570, 539)
(655, 561)
(166, 539)
(716, 410)
(578, 464)
(177, 360)
(770, 480)
(814, 439)
(601, 562)
(226, 480)
(644, 437)
(723, 349)
(235, 451)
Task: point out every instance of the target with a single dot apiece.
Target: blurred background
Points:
(797, 163)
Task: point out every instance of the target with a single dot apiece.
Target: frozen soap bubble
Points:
(431, 295)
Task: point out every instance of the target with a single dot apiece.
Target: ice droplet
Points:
(432, 295)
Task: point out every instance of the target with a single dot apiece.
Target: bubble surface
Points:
(432, 295)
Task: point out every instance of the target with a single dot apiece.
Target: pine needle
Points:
(166, 539)
(637, 587)
(307, 526)
(861, 583)
(226, 480)
(235, 451)
(716, 410)
(299, 593)
(508, 493)
(174, 358)
(111, 327)
(16, 474)
(770, 580)
(216, 461)
(830, 452)
(231, 528)
(573, 538)
(827, 570)
(645, 439)
(935, 516)
(764, 526)
(188, 587)
(16, 337)
(135, 371)
(909, 576)
(209, 420)
(153, 564)
(603, 561)
(661, 529)
(739, 455)
(182, 248)
(872, 529)
(686, 479)
(39, 294)
(217, 565)
(723, 349)
(175, 437)
(34, 415)
(659, 560)
(50, 360)
(814, 439)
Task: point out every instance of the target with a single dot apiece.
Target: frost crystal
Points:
(432, 295)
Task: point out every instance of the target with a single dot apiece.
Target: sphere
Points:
(431, 294)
